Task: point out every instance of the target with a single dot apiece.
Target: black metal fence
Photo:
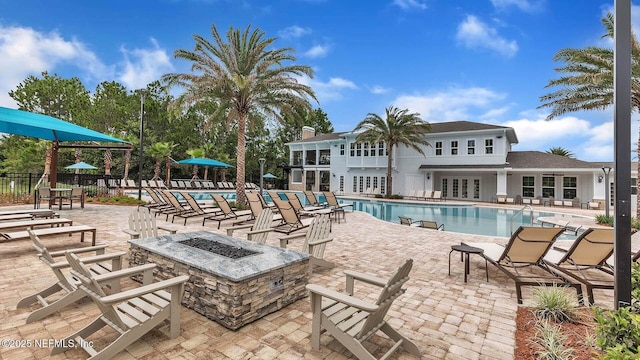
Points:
(19, 187)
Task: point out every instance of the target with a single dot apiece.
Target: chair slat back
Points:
(429, 224)
(91, 287)
(289, 215)
(311, 197)
(255, 205)
(263, 222)
(392, 290)
(44, 192)
(331, 198)
(223, 204)
(405, 220)
(530, 243)
(193, 204)
(45, 257)
(142, 222)
(154, 196)
(319, 229)
(294, 200)
(591, 248)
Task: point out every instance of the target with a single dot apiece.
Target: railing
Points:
(521, 212)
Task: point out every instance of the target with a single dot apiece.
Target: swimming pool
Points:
(468, 219)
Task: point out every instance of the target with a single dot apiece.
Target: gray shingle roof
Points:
(543, 160)
(453, 126)
(321, 137)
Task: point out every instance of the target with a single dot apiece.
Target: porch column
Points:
(501, 183)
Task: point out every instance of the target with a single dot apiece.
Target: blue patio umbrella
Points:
(81, 165)
(203, 162)
(45, 127)
(269, 176)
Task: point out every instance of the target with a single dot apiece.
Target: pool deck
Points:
(447, 318)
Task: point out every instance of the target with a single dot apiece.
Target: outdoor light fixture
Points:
(607, 171)
(261, 161)
(600, 177)
(143, 94)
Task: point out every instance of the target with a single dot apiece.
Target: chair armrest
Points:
(238, 227)
(321, 241)
(124, 272)
(341, 298)
(370, 279)
(146, 289)
(168, 229)
(92, 259)
(285, 239)
(98, 249)
(133, 234)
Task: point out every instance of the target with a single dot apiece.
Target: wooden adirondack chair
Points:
(315, 241)
(351, 321)
(131, 313)
(67, 285)
(143, 225)
(259, 228)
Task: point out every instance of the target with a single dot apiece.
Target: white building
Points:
(466, 161)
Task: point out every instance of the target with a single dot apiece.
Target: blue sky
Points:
(476, 60)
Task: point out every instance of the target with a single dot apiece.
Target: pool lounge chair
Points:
(99, 263)
(588, 252)
(405, 220)
(291, 221)
(226, 212)
(352, 321)
(131, 313)
(332, 201)
(526, 248)
(195, 209)
(311, 198)
(304, 210)
(428, 224)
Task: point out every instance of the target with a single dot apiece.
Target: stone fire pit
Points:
(239, 282)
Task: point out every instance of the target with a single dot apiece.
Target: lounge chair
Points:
(424, 195)
(315, 241)
(589, 251)
(195, 209)
(594, 205)
(332, 201)
(351, 320)
(304, 210)
(174, 184)
(405, 220)
(428, 224)
(311, 198)
(526, 247)
(366, 192)
(143, 225)
(145, 183)
(291, 221)
(227, 212)
(66, 285)
(557, 202)
(411, 194)
(376, 191)
(260, 228)
(437, 195)
(131, 313)
(501, 199)
(131, 183)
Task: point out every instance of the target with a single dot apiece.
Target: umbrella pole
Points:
(53, 177)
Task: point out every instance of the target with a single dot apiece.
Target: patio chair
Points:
(300, 209)
(526, 248)
(66, 285)
(131, 183)
(227, 212)
(77, 193)
(437, 195)
(259, 229)
(594, 205)
(143, 225)
(291, 221)
(174, 184)
(311, 198)
(332, 201)
(589, 251)
(411, 194)
(44, 194)
(131, 313)
(315, 241)
(405, 220)
(428, 224)
(175, 208)
(158, 201)
(501, 199)
(351, 320)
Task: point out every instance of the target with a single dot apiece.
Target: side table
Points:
(466, 250)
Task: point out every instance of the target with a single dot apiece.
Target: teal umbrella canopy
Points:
(269, 176)
(81, 165)
(203, 162)
(45, 127)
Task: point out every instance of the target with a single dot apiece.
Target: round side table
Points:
(466, 250)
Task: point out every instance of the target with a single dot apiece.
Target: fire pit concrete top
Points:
(268, 257)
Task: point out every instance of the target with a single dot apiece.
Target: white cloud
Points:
(142, 66)
(541, 134)
(523, 5)
(450, 105)
(317, 51)
(25, 51)
(410, 4)
(293, 31)
(329, 90)
(377, 89)
(473, 33)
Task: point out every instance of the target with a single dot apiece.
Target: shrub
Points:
(604, 220)
(396, 196)
(554, 303)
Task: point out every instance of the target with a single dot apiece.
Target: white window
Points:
(341, 183)
(352, 151)
(438, 148)
(296, 176)
(471, 147)
(488, 146)
(454, 147)
(354, 188)
(341, 149)
(365, 147)
(381, 149)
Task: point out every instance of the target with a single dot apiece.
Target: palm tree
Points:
(559, 150)
(245, 80)
(206, 150)
(160, 150)
(399, 127)
(132, 139)
(588, 83)
(195, 153)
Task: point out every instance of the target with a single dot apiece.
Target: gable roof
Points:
(321, 137)
(543, 160)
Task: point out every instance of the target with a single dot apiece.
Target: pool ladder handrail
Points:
(521, 211)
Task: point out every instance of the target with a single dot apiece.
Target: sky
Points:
(476, 60)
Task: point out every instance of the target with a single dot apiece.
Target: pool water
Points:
(466, 219)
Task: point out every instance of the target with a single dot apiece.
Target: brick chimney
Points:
(308, 132)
